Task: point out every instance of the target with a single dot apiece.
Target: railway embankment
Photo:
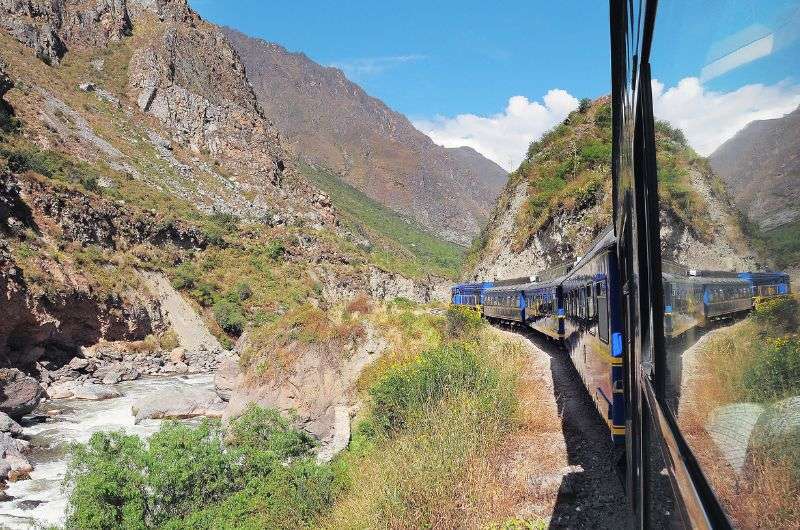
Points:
(560, 462)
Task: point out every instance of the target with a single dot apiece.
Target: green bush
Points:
(778, 314)
(275, 250)
(775, 371)
(204, 293)
(229, 316)
(664, 128)
(262, 476)
(603, 117)
(597, 153)
(584, 105)
(462, 321)
(408, 389)
(185, 276)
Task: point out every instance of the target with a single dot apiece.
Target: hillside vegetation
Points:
(398, 243)
(562, 189)
(438, 406)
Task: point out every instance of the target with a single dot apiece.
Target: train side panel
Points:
(593, 335)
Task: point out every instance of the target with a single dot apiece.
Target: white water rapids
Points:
(42, 501)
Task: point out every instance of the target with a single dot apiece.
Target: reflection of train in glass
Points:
(581, 307)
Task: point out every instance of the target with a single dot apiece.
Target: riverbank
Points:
(58, 423)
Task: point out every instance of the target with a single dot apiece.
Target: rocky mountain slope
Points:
(559, 200)
(760, 166)
(134, 152)
(333, 122)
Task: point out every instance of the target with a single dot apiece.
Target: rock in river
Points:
(7, 424)
(19, 393)
(88, 391)
(179, 404)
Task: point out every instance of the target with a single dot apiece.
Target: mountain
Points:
(332, 122)
(761, 167)
(134, 155)
(559, 200)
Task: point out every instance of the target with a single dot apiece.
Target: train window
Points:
(726, 102)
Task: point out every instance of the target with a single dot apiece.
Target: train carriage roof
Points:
(604, 241)
(759, 278)
(510, 288)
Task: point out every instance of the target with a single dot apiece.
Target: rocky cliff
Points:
(761, 168)
(559, 200)
(331, 121)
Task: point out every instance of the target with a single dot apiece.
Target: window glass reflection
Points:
(726, 97)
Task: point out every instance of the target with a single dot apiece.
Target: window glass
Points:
(726, 100)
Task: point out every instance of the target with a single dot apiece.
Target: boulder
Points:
(112, 377)
(226, 378)
(178, 404)
(86, 391)
(178, 355)
(19, 393)
(13, 462)
(7, 424)
(78, 363)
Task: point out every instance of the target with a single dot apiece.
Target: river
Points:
(41, 501)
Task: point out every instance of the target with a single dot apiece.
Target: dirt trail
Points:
(560, 463)
(187, 324)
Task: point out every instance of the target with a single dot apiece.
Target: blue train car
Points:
(469, 294)
(593, 330)
(766, 284)
(505, 303)
(544, 308)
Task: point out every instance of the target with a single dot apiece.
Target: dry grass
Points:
(461, 464)
(766, 493)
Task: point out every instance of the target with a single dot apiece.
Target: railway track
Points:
(590, 494)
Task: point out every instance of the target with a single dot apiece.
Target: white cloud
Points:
(709, 118)
(503, 137)
(367, 66)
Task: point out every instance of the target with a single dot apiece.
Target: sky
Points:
(497, 75)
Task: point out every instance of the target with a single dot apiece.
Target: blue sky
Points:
(425, 58)
(496, 75)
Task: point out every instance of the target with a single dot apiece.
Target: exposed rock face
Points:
(227, 377)
(761, 168)
(19, 394)
(49, 27)
(387, 286)
(333, 122)
(316, 385)
(13, 463)
(7, 424)
(63, 320)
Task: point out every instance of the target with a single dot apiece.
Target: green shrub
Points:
(407, 389)
(462, 321)
(603, 117)
(774, 372)
(204, 293)
(275, 250)
(110, 488)
(186, 477)
(584, 105)
(185, 276)
(778, 314)
(664, 128)
(229, 316)
(168, 340)
(597, 153)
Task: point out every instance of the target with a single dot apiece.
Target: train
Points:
(579, 306)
